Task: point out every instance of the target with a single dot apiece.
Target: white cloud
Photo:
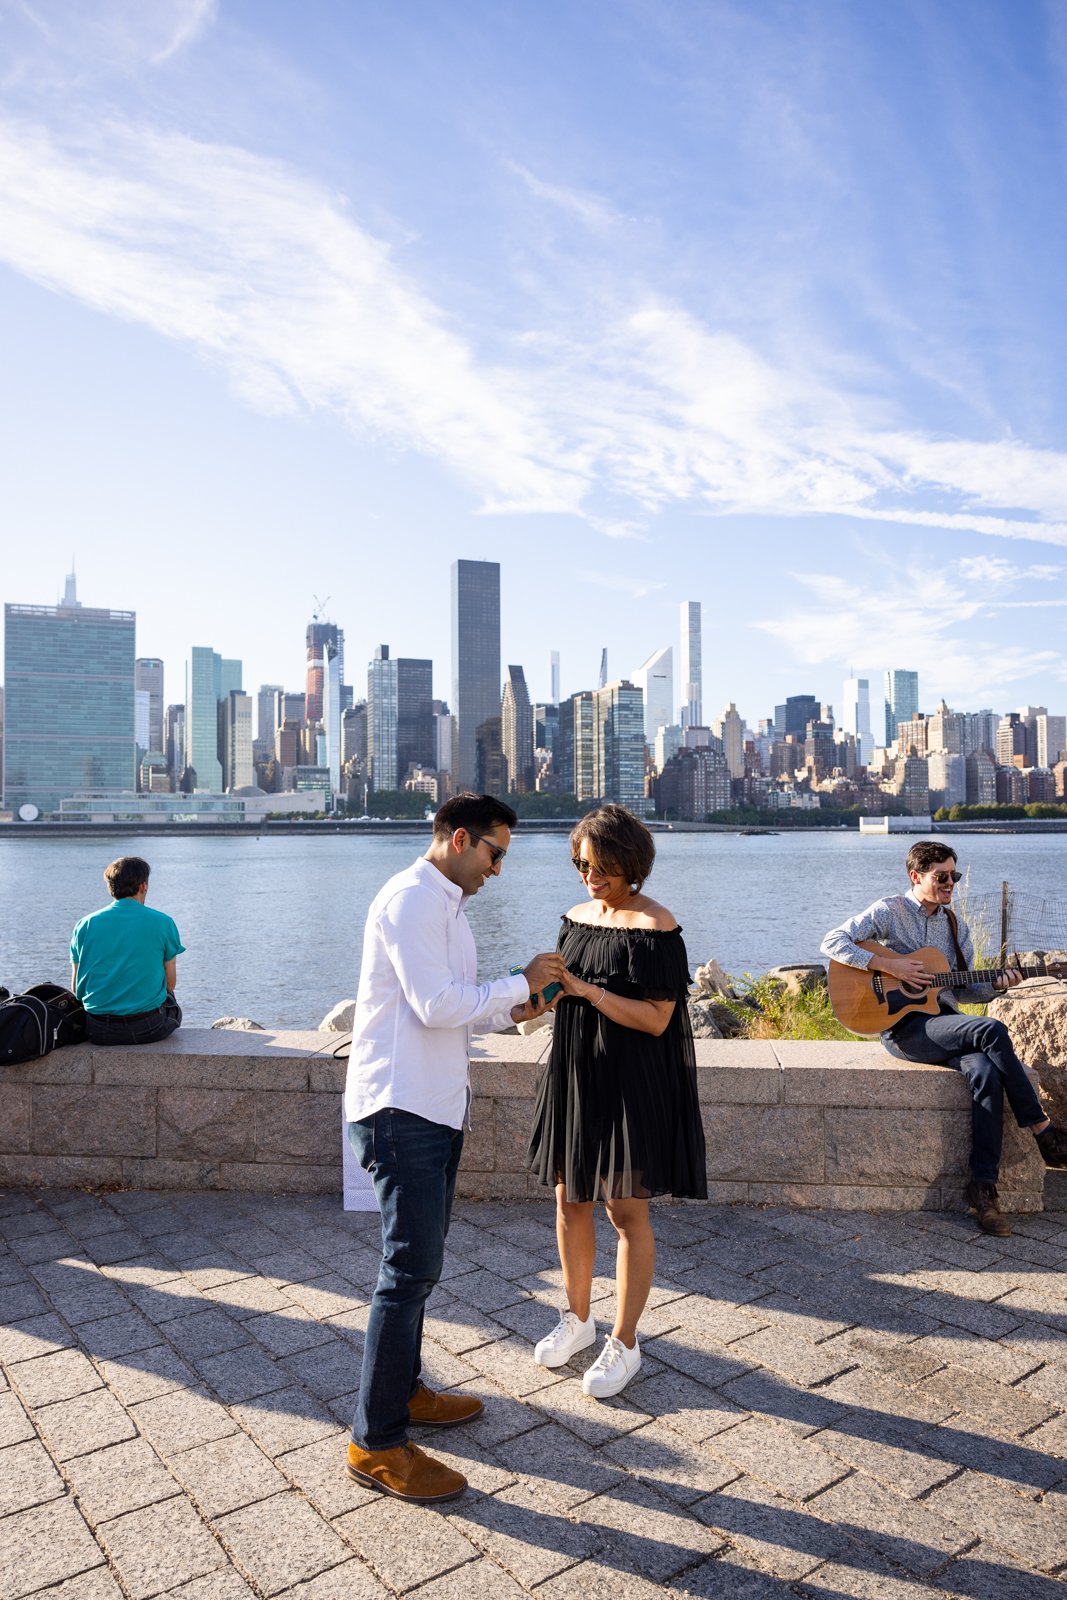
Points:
(590, 209)
(920, 617)
(269, 275)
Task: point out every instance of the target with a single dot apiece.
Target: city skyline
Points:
(742, 303)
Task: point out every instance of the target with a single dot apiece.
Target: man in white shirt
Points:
(406, 1098)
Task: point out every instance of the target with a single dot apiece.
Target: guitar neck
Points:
(962, 980)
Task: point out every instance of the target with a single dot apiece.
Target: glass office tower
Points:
(475, 668)
(69, 702)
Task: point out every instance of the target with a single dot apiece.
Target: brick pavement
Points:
(831, 1404)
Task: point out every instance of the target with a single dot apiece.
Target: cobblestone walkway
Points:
(830, 1404)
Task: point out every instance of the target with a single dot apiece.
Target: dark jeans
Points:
(981, 1049)
(144, 1028)
(413, 1165)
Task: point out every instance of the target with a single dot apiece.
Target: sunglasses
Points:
(586, 867)
(946, 877)
(495, 852)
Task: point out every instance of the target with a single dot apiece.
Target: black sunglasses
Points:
(495, 852)
(946, 877)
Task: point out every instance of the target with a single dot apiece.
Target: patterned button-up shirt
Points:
(901, 923)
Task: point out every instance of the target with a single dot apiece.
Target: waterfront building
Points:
(546, 727)
(980, 731)
(1011, 741)
(655, 679)
(209, 680)
(354, 735)
(553, 672)
(668, 740)
(1051, 738)
(619, 745)
(693, 784)
(730, 731)
(174, 739)
(381, 721)
(475, 669)
(443, 733)
(266, 719)
(331, 714)
(690, 664)
(946, 730)
(946, 776)
(415, 744)
(913, 735)
(1012, 787)
(142, 729)
(820, 748)
(148, 678)
(901, 699)
(69, 701)
(287, 745)
(318, 635)
(856, 716)
(980, 779)
(517, 733)
(793, 717)
(574, 746)
(235, 741)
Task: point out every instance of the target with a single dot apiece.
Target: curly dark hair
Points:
(619, 840)
(927, 853)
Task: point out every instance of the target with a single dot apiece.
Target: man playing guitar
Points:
(979, 1047)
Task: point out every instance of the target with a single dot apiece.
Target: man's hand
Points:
(534, 1008)
(906, 969)
(1008, 979)
(543, 970)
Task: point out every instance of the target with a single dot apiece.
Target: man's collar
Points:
(428, 873)
(914, 898)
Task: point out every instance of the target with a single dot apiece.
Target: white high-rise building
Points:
(655, 678)
(331, 713)
(553, 665)
(856, 716)
(731, 730)
(691, 676)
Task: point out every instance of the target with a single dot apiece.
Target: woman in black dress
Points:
(617, 1115)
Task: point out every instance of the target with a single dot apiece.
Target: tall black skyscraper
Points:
(475, 669)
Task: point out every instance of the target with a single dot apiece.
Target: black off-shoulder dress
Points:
(617, 1114)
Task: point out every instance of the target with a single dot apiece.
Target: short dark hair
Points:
(620, 840)
(927, 853)
(478, 813)
(125, 876)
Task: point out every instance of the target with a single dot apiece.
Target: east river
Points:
(273, 926)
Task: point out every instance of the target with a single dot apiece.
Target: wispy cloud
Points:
(268, 274)
(589, 209)
(927, 617)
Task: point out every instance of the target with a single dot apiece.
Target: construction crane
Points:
(320, 607)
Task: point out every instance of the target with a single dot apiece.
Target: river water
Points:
(273, 926)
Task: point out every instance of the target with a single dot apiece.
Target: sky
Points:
(756, 303)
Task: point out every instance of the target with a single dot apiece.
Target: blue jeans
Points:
(144, 1028)
(413, 1165)
(980, 1048)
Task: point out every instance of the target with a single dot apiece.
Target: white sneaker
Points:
(568, 1337)
(612, 1369)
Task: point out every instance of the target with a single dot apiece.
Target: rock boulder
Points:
(1035, 1014)
(800, 978)
(241, 1024)
(340, 1019)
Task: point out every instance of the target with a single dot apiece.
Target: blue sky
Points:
(759, 304)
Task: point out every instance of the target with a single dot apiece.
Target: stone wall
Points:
(787, 1122)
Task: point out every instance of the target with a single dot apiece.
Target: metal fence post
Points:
(1004, 906)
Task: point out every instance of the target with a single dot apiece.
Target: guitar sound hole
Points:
(915, 990)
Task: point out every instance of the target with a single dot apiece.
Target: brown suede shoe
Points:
(983, 1197)
(407, 1473)
(1052, 1142)
(431, 1410)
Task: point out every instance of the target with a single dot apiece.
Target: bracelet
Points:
(596, 1004)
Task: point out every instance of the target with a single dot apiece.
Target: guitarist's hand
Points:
(906, 969)
(1008, 978)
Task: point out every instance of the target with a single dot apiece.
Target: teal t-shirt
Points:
(119, 953)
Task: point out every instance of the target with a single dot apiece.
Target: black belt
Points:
(128, 1016)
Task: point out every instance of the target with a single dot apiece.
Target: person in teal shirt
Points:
(123, 962)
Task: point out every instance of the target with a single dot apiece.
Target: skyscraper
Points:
(69, 701)
(319, 634)
(655, 679)
(619, 745)
(266, 716)
(730, 729)
(209, 680)
(901, 699)
(148, 676)
(553, 666)
(516, 731)
(235, 740)
(856, 716)
(475, 664)
(331, 713)
(690, 665)
(381, 720)
(415, 743)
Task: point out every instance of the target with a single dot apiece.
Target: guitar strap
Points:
(960, 957)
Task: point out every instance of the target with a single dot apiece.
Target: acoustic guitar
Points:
(868, 1002)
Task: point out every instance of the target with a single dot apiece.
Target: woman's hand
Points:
(577, 987)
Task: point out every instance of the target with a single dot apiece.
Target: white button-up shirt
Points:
(419, 1001)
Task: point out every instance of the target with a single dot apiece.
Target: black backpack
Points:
(38, 1021)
